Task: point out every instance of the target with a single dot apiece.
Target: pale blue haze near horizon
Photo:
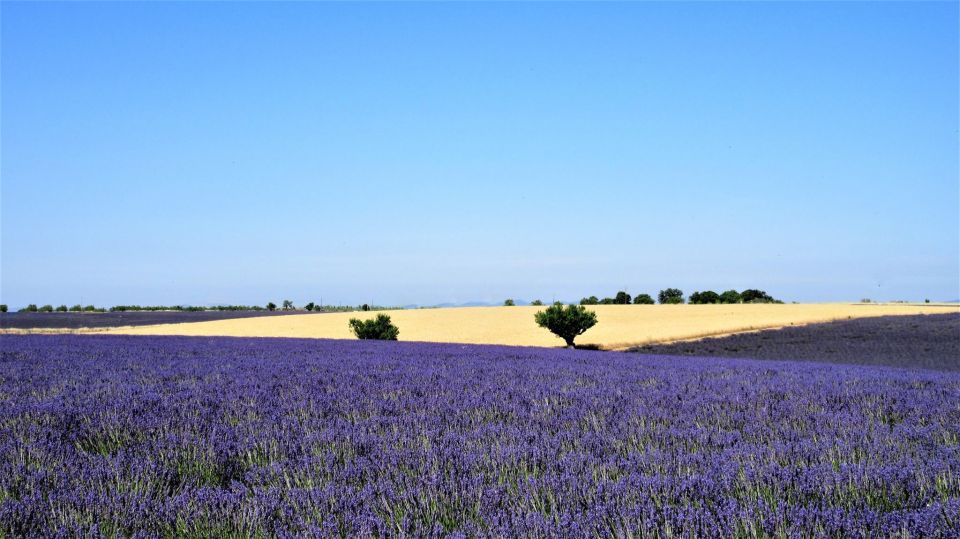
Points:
(202, 153)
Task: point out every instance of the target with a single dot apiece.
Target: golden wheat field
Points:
(618, 326)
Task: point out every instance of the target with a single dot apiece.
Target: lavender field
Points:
(71, 320)
(104, 436)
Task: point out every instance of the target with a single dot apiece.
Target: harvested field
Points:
(75, 320)
(111, 436)
(620, 326)
(921, 341)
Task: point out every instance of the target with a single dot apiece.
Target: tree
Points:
(271, 306)
(622, 298)
(607, 301)
(704, 298)
(670, 296)
(309, 306)
(76, 308)
(3, 307)
(287, 305)
(508, 302)
(364, 307)
(643, 299)
(90, 309)
(32, 308)
(730, 296)
(62, 309)
(536, 302)
(592, 300)
(379, 328)
(756, 296)
(566, 322)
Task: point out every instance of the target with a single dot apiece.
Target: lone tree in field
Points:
(271, 306)
(566, 322)
(508, 303)
(536, 302)
(670, 296)
(309, 306)
(287, 305)
(379, 328)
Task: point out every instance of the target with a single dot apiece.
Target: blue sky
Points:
(422, 153)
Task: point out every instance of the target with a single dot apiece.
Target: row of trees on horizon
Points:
(674, 296)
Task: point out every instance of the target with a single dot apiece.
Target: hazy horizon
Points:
(209, 153)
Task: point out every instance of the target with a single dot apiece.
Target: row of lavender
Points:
(192, 437)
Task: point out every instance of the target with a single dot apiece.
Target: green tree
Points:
(704, 298)
(309, 306)
(536, 302)
(3, 307)
(566, 322)
(622, 298)
(592, 300)
(32, 308)
(76, 308)
(643, 299)
(271, 306)
(670, 296)
(379, 328)
(508, 302)
(90, 309)
(287, 305)
(62, 309)
(730, 296)
(756, 296)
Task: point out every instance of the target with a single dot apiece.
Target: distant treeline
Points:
(286, 305)
(122, 308)
(669, 296)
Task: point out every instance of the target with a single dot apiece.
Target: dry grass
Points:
(619, 326)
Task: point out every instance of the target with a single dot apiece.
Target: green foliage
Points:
(925, 301)
(379, 328)
(32, 308)
(566, 322)
(364, 307)
(704, 298)
(76, 308)
(271, 306)
(92, 309)
(309, 306)
(61, 309)
(536, 302)
(607, 301)
(643, 299)
(46, 308)
(508, 302)
(757, 296)
(3, 307)
(670, 296)
(622, 298)
(730, 296)
(592, 300)
(288, 305)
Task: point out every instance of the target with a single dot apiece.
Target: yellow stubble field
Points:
(619, 326)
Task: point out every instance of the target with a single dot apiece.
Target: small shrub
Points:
(643, 299)
(566, 322)
(508, 302)
(379, 328)
(536, 302)
(670, 296)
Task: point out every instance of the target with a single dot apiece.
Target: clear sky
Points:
(422, 153)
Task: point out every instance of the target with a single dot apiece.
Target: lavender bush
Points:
(104, 436)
